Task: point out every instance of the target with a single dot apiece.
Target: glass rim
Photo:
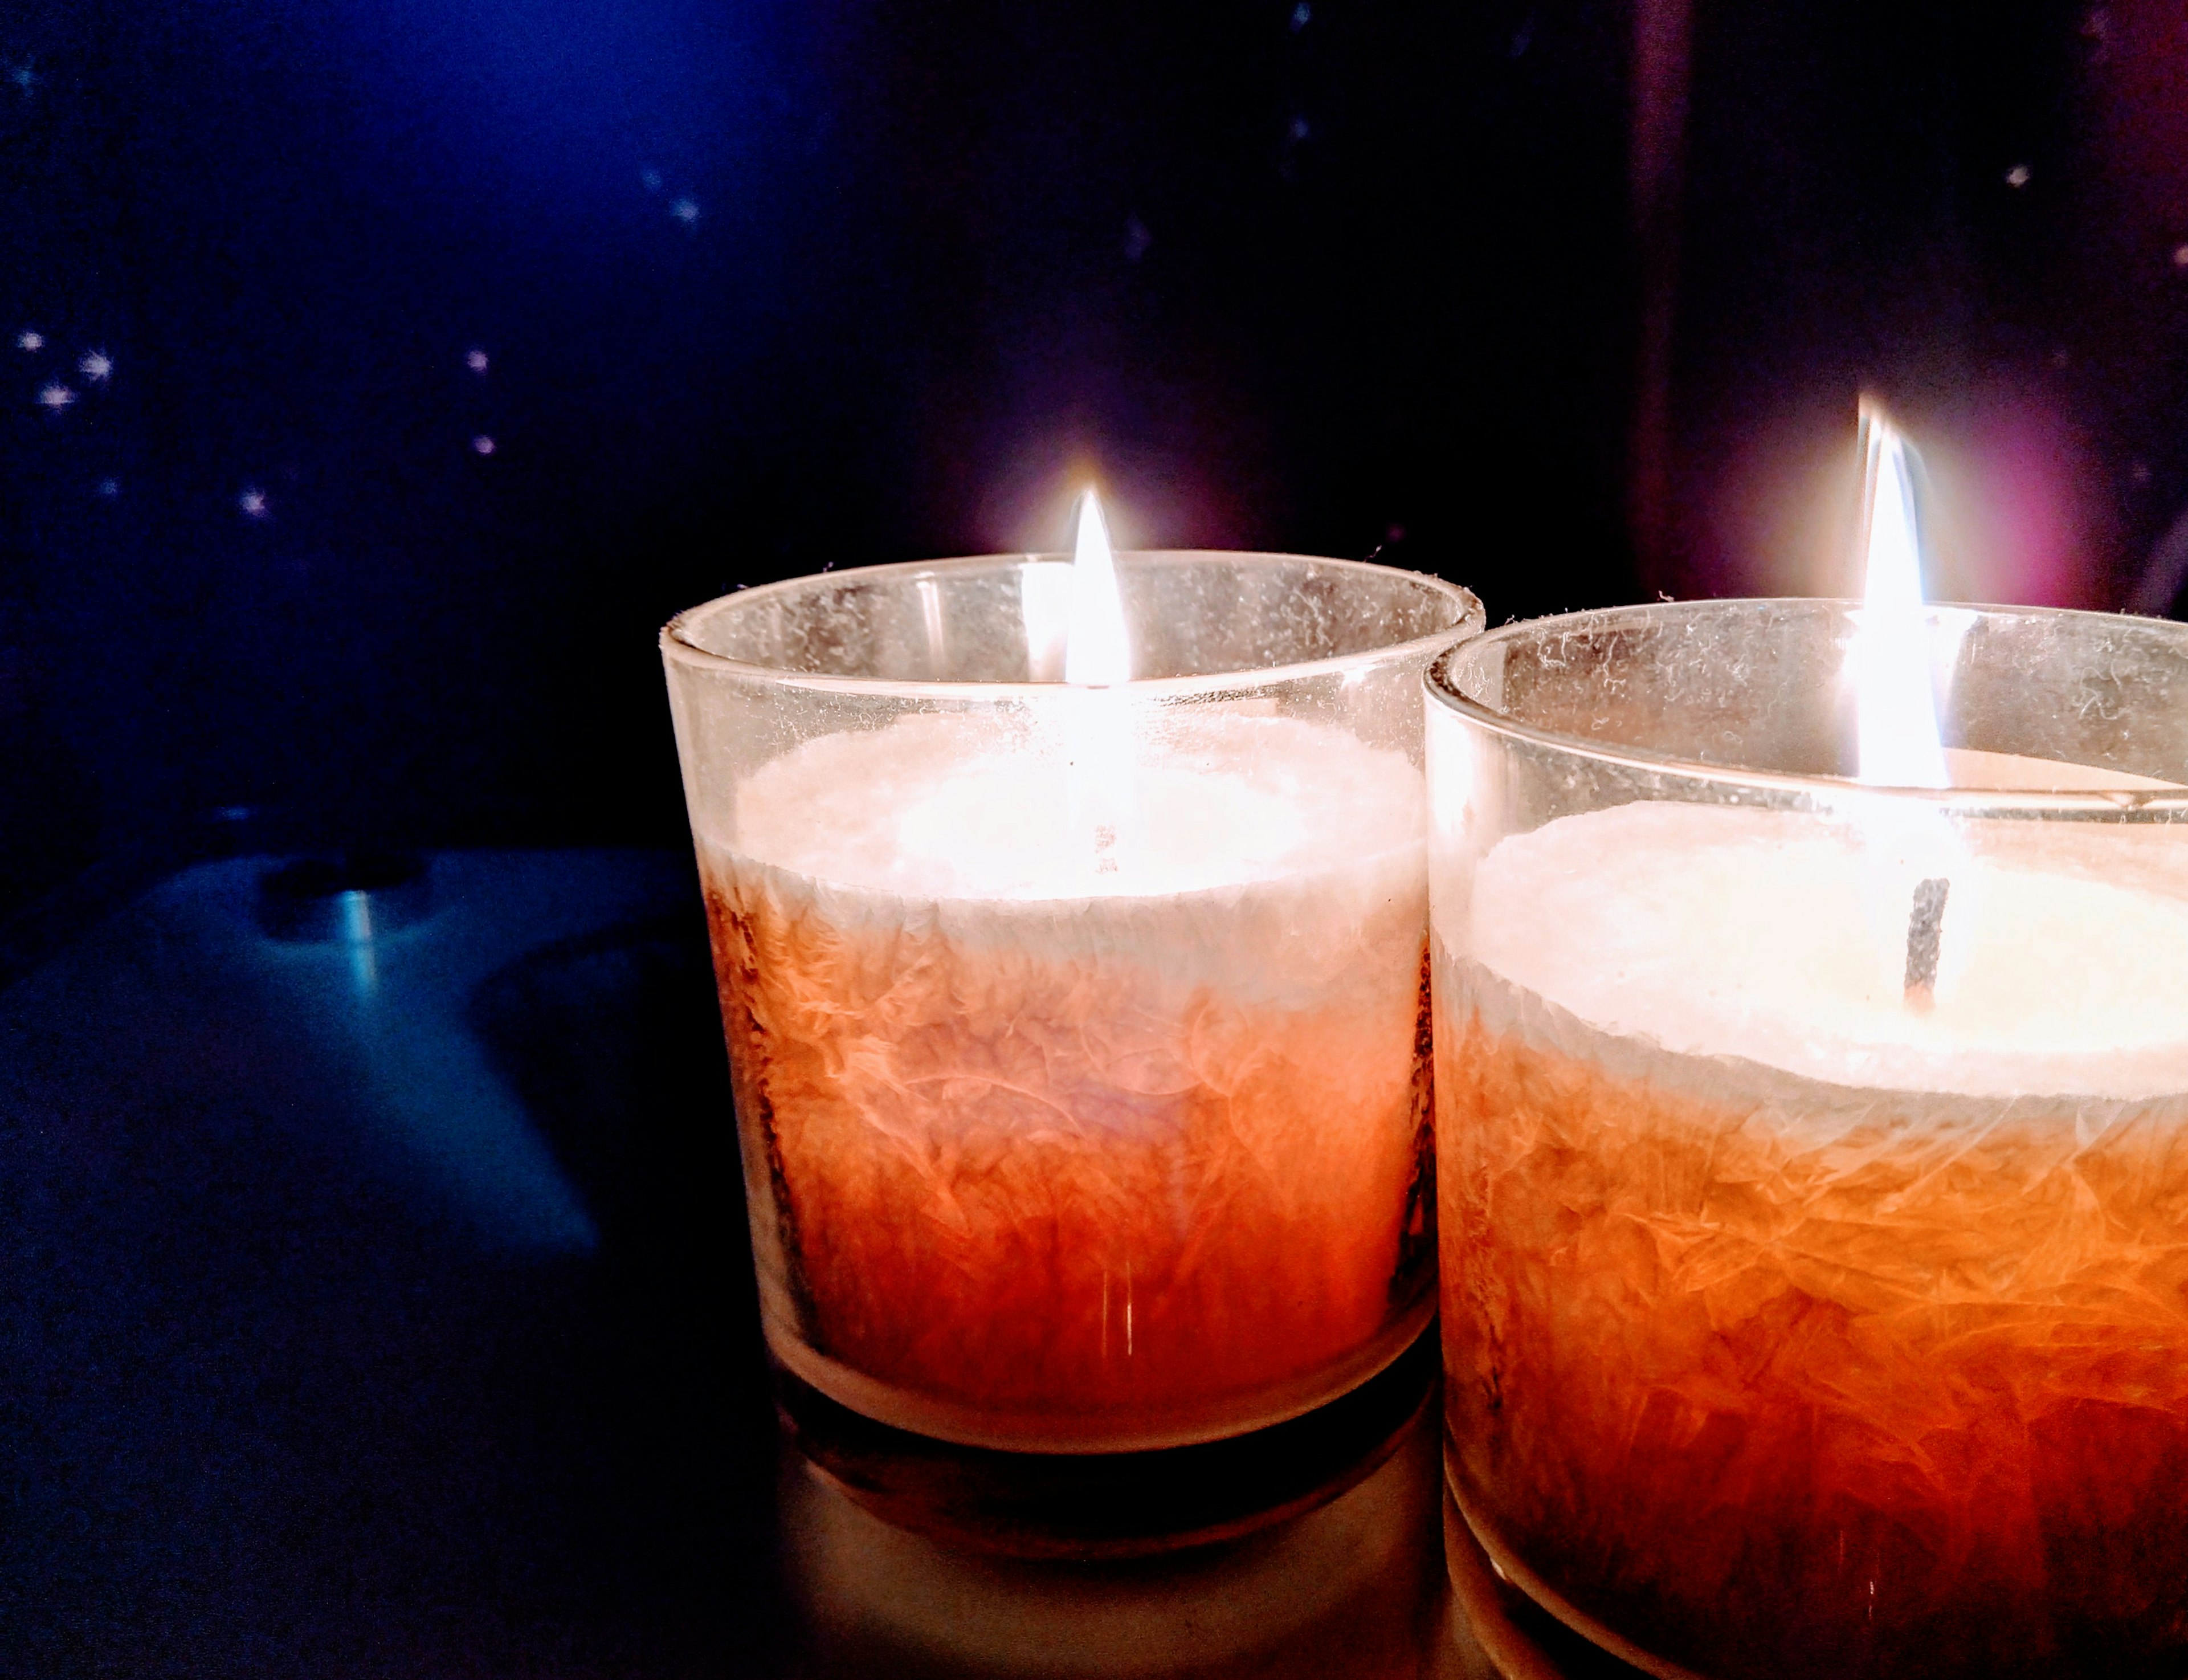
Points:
(1437, 683)
(1469, 620)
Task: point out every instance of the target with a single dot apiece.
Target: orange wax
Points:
(1775, 1377)
(1079, 1177)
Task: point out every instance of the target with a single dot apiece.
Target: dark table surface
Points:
(386, 1308)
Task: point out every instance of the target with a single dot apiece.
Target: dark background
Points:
(1570, 301)
(762, 287)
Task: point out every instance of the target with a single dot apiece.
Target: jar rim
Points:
(1727, 782)
(1467, 620)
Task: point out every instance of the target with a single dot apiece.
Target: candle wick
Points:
(1925, 927)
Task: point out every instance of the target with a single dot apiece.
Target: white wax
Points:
(940, 806)
(1714, 931)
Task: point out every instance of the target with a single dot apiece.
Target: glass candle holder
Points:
(1815, 1155)
(1079, 1035)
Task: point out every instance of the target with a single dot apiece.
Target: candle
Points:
(1815, 1156)
(1078, 1032)
(1805, 1334)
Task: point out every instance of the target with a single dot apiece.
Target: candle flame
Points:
(1099, 654)
(1098, 744)
(1898, 739)
(1913, 857)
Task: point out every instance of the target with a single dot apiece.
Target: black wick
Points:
(1925, 927)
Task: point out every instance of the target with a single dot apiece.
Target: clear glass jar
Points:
(1079, 1035)
(1814, 1156)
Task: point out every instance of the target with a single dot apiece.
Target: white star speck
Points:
(476, 360)
(685, 210)
(484, 444)
(97, 366)
(56, 396)
(2017, 176)
(30, 340)
(253, 501)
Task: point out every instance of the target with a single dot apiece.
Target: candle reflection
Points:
(1355, 1587)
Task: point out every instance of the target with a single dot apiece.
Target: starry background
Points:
(379, 375)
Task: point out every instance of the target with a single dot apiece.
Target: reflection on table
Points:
(1355, 1587)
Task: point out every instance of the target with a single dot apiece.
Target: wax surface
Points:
(954, 806)
(1778, 937)
(1044, 1156)
(1786, 1336)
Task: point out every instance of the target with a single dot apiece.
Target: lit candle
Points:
(1816, 1156)
(1078, 1027)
